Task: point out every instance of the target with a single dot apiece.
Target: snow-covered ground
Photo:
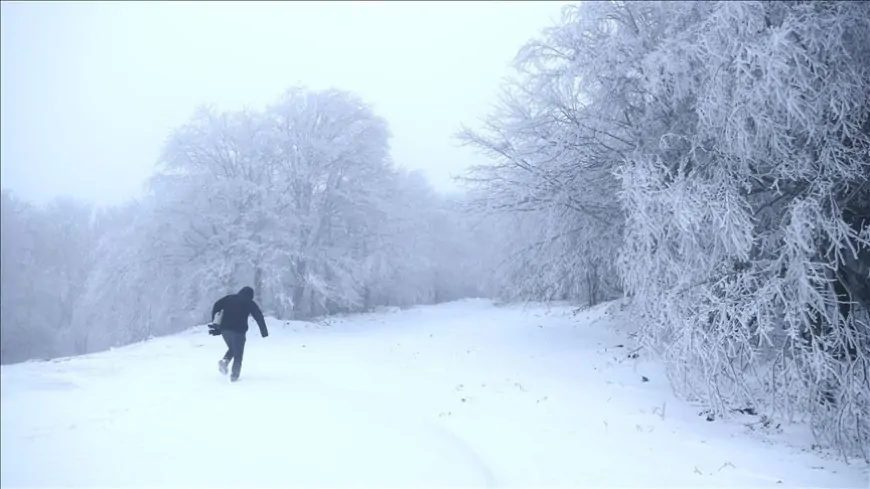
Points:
(463, 394)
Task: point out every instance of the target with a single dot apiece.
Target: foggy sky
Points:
(91, 90)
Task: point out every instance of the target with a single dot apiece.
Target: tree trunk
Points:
(299, 289)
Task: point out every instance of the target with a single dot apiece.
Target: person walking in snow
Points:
(230, 315)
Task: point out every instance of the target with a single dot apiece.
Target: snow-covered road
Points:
(462, 394)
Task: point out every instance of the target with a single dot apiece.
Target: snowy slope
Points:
(463, 394)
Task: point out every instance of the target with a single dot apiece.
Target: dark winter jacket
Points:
(237, 308)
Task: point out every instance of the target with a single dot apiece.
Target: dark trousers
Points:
(235, 341)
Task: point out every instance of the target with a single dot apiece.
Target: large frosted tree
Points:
(332, 174)
(747, 244)
(300, 200)
(734, 137)
(552, 187)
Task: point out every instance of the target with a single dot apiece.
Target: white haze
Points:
(705, 163)
(91, 90)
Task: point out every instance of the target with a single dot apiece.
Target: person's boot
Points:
(234, 377)
(222, 365)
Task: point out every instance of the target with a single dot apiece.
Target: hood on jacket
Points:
(247, 293)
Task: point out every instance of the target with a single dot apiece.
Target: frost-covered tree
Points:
(331, 158)
(133, 291)
(738, 137)
(398, 268)
(47, 253)
(20, 337)
(747, 245)
(436, 254)
(301, 201)
(556, 137)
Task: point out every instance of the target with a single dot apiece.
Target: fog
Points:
(106, 82)
(704, 163)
